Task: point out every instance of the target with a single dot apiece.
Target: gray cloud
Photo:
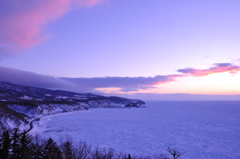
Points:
(125, 83)
(223, 64)
(33, 79)
(218, 68)
(82, 84)
(180, 97)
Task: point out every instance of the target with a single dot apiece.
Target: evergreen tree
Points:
(129, 156)
(51, 150)
(5, 142)
(67, 150)
(15, 153)
(36, 151)
(24, 143)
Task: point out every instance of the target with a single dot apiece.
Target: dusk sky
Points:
(152, 50)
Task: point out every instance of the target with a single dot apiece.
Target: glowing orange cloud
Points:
(22, 20)
(117, 84)
(157, 80)
(218, 68)
(125, 83)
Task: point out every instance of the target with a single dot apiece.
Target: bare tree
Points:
(82, 150)
(161, 156)
(120, 156)
(175, 153)
(102, 153)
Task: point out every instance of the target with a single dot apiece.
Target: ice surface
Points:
(204, 130)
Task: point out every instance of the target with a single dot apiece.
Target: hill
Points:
(19, 104)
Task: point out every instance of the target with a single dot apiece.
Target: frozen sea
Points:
(204, 130)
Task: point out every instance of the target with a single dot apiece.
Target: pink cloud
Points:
(159, 80)
(22, 20)
(126, 84)
(119, 84)
(87, 3)
(218, 68)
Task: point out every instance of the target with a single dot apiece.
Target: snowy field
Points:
(204, 130)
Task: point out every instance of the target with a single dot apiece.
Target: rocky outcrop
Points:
(47, 109)
(52, 108)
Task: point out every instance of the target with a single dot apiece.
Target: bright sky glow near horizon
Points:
(123, 47)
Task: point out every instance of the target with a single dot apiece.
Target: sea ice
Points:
(202, 129)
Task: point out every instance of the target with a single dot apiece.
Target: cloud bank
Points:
(82, 84)
(180, 97)
(125, 84)
(218, 68)
(23, 20)
(32, 79)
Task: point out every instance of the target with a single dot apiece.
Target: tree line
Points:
(15, 144)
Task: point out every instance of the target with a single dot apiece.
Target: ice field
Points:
(204, 130)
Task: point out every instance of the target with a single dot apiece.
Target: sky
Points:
(152, 50)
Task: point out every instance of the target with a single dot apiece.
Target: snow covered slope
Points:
(31, 101)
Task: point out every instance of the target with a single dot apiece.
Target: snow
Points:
(28, 110)
(201, 129)
(48, 109)
(26, 97)
(11, 124)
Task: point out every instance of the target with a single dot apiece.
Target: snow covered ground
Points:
(204, 130)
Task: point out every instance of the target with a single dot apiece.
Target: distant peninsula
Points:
(19, 104)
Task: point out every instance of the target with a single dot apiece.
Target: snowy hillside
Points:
(23, 102)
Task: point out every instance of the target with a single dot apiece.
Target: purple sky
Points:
(161, 49)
